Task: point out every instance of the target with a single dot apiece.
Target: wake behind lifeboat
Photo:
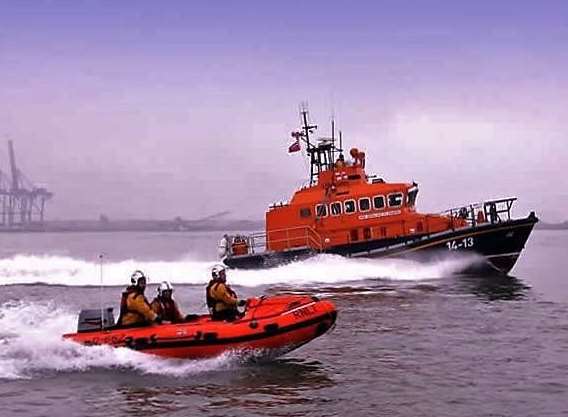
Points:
(270, 327)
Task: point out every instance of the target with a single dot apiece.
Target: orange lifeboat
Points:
(269, 327)
(344, 210)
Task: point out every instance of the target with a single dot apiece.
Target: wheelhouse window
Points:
(411, 197)
(336, 208)
(379, 202)
(321, 210)
(349, 206)
(395, 199)
(364, 204)
(305, 212)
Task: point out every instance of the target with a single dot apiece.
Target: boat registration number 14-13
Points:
(466, 242)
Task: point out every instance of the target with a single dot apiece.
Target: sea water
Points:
(411, 339)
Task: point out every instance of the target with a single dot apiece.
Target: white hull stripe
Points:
(299, 308)
(431, 243)
(504, 254)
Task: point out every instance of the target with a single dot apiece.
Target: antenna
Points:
(333, 137)
(101, 264)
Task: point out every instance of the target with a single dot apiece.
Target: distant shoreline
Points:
(552, 226)
(178, 225)
(77, 226)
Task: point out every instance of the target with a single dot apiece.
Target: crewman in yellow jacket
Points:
(134, 307)
(222, 301)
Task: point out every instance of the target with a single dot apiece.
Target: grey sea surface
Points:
(410, 340)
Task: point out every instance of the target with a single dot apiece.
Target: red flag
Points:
(295, 147)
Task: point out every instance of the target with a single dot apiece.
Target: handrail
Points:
(491, 210)
(310, 235)
(259, 240)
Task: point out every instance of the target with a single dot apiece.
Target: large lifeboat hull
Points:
(271, 326)
(497, 247)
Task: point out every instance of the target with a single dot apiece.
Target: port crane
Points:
(22, 203)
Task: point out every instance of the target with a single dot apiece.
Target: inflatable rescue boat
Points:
(269, 327)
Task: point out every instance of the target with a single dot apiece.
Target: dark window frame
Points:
(394, 194)
(359, 204)
(384, 202)
(317, 211)
(345, 206)
(336, 203)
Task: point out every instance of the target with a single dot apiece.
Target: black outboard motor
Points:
(90, 320)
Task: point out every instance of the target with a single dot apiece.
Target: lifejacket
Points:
(167, 310)
(211, 301)
(123, 302)
(147, 315)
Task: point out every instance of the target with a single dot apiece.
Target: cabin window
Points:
(411, 197)
(336, 208)
(321, 210)
(349, 206)
(379, 202)
(395, 199)
(305, 212)
(364, 204)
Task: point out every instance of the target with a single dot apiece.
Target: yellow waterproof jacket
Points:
(136, 309)
(220, 297)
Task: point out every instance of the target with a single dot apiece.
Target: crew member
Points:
(224, 247)
(480, 217)
(354, 152)
(222, 301)
(134, 308)
(165, 306)
(340, 163)
(493, 213)
(358, 157)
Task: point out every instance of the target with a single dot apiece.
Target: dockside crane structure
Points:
(22, 204)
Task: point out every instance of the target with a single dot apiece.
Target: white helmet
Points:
(165, 286)
(137, 276)
(217, 270)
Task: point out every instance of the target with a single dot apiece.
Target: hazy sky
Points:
(165, 108)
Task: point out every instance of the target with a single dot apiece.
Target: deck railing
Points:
(293, 237)
(492, 211)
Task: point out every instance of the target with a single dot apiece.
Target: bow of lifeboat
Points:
(270, 326)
